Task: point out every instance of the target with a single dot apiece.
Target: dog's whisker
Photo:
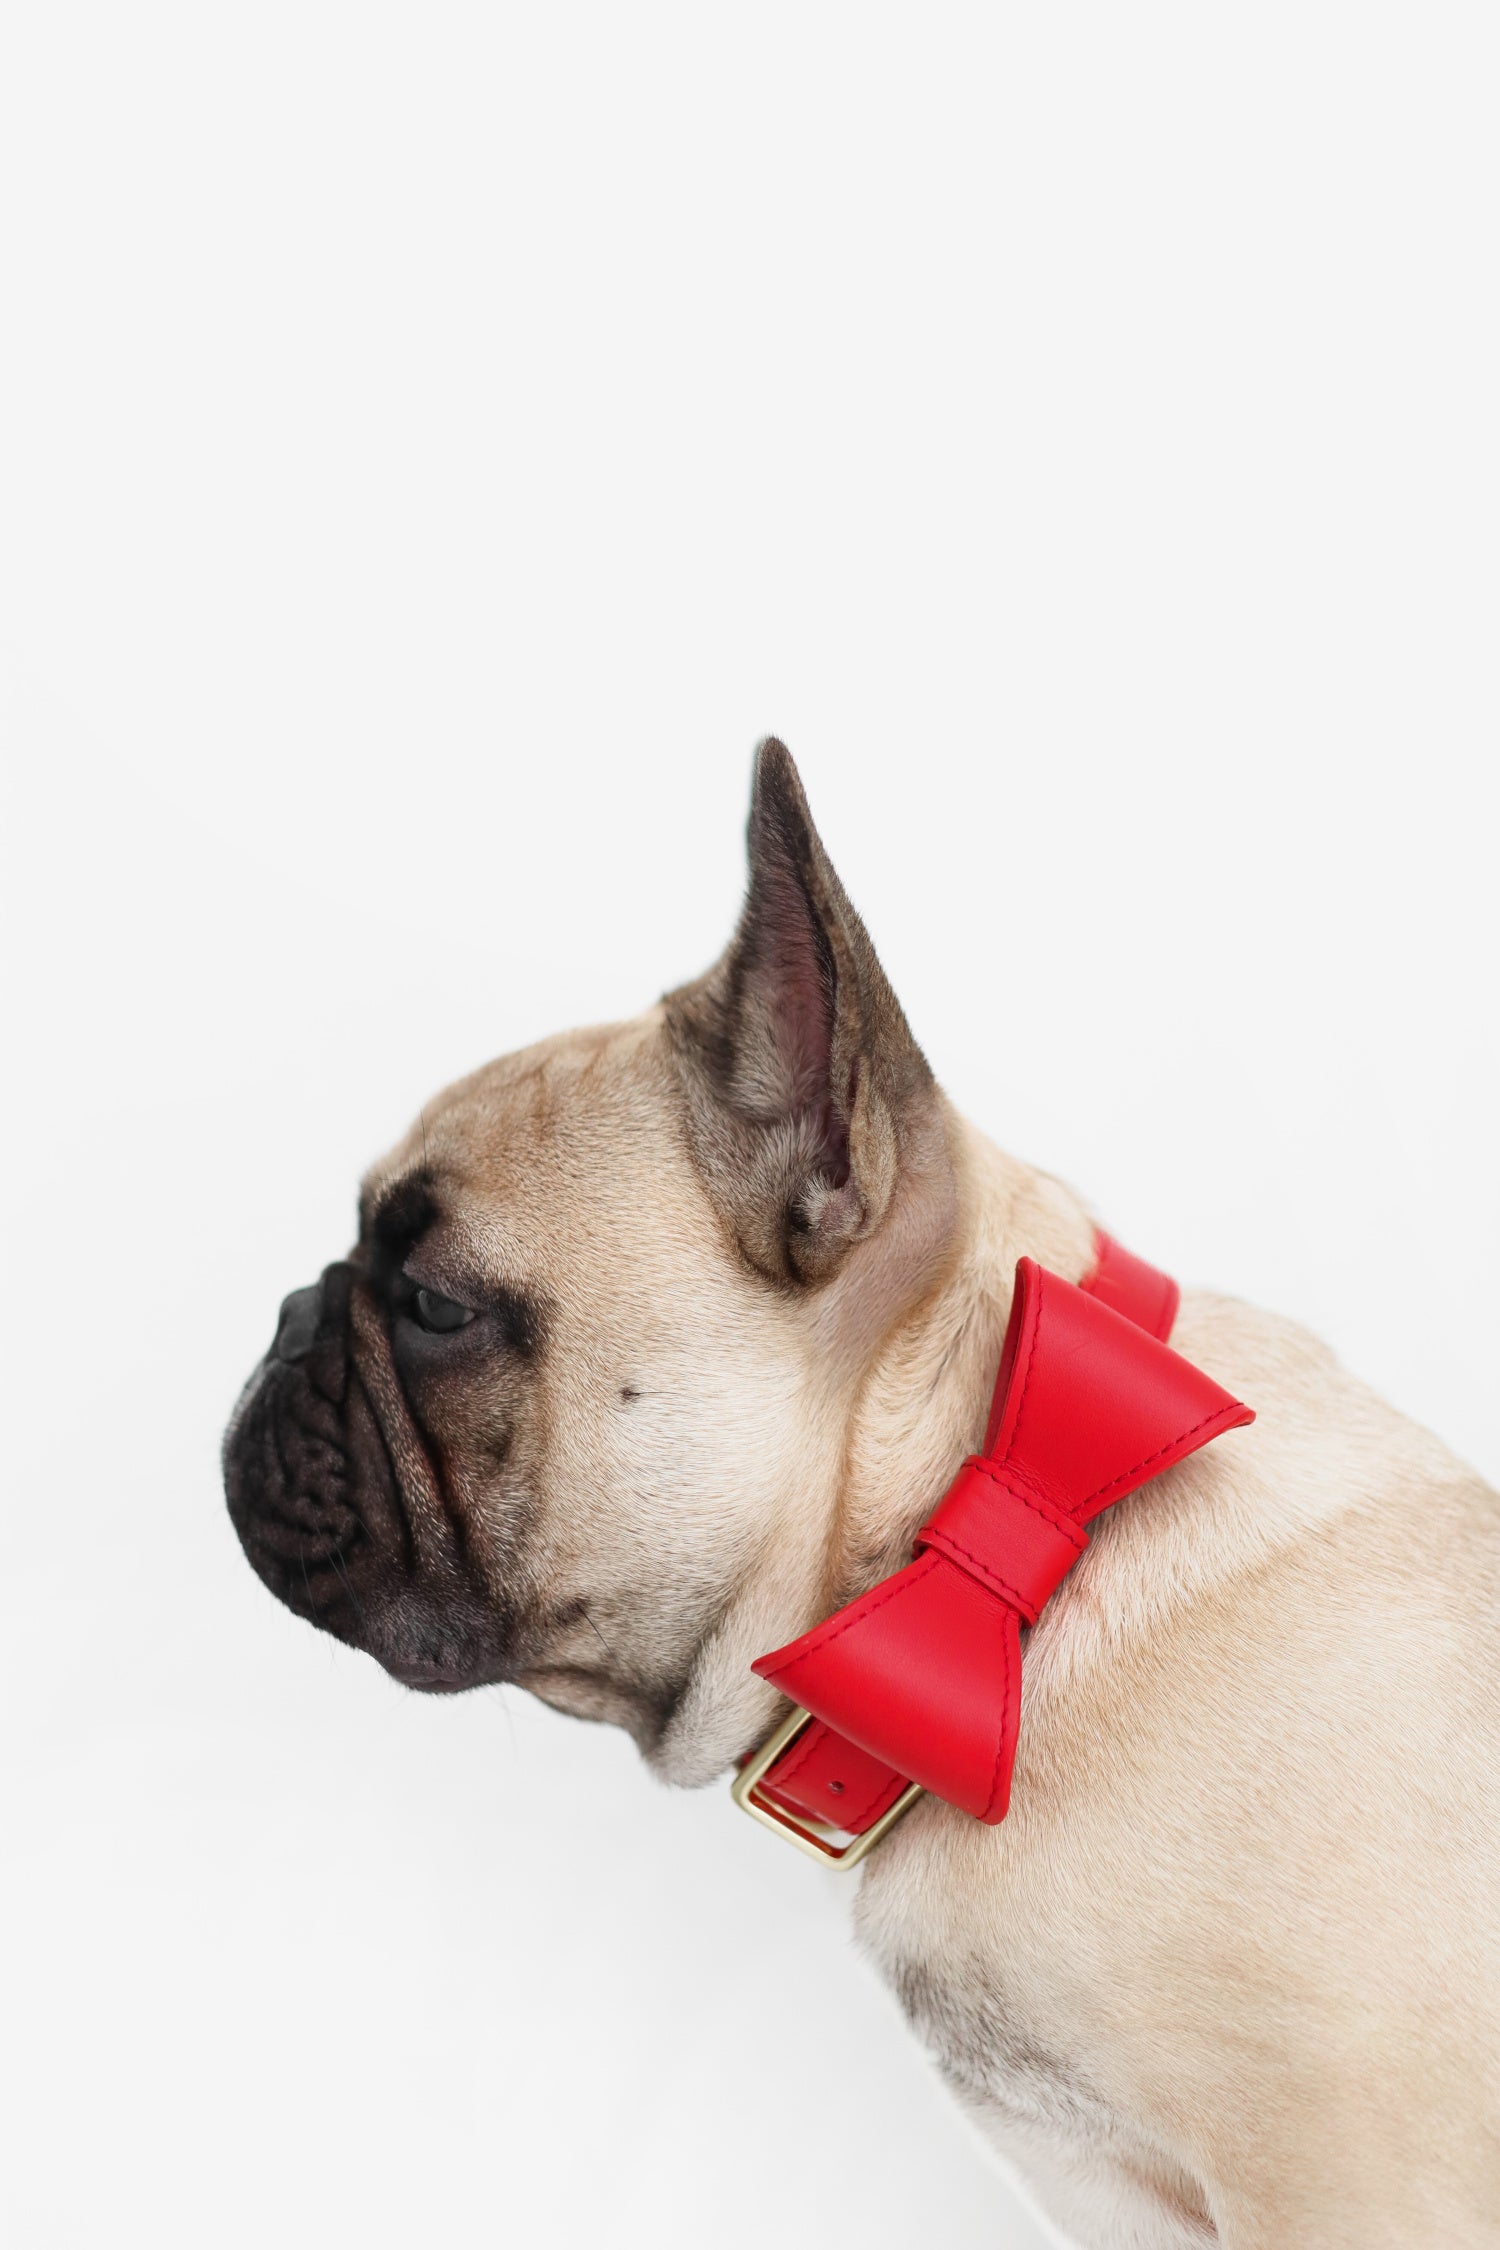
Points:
(593, 1628)
(510, 1717)
(359, 1607)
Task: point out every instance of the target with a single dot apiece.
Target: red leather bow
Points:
(920, 1678)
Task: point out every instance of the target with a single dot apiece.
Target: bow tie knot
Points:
(1008, 1537)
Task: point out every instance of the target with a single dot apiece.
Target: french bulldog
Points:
(657, 1344)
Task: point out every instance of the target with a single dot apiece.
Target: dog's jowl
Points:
(663, 1346)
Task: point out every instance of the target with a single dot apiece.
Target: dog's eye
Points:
(440, 1315)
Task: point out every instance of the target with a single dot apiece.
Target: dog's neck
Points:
(924, 1402)
(911, 1343)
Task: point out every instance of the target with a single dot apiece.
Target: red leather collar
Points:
(917, 1684)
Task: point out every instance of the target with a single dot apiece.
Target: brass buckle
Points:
(808, 1835)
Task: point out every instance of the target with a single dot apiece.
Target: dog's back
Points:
(1237, 1965)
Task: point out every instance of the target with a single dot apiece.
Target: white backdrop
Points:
(434, 443)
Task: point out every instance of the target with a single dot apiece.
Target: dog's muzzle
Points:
(298, 1444)
(314, 1494)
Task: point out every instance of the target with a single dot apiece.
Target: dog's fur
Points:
(1228, 1972)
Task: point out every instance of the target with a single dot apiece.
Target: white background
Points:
(434, 443)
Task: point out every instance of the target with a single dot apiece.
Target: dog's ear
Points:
(804, 1083)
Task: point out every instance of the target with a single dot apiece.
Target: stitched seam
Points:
(866, 1608)
(818, 1734)
(885, 1795)
(775, 1780)
(979, 1568)
(1028, 1487)
(1000, 1744)
(1054, 1517)
(1036, 1330)
(1126, 1474)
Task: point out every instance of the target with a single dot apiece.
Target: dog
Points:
(657, 1345)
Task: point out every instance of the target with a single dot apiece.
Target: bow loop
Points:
(1011, 1539)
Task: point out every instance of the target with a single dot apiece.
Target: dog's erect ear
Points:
(803, 1079)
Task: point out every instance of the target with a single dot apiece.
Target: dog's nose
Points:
(297, 1329)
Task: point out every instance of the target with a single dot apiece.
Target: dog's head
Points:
(572, 1411)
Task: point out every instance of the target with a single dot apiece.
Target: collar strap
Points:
(917, 1684)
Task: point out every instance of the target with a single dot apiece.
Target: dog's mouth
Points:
(430, 1679)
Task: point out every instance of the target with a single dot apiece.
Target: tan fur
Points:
(1229, 1970)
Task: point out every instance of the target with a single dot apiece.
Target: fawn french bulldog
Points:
(660, 1342)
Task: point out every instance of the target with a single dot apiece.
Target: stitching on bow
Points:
(1000, 1759)
(862, 1609)
(1002, 1475)
(1031, 1344)
(1125, 1475)
(943, 1540)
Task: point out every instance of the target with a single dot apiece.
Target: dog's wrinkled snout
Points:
(315, 1496)
(297, 1326)
(301, 1439)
